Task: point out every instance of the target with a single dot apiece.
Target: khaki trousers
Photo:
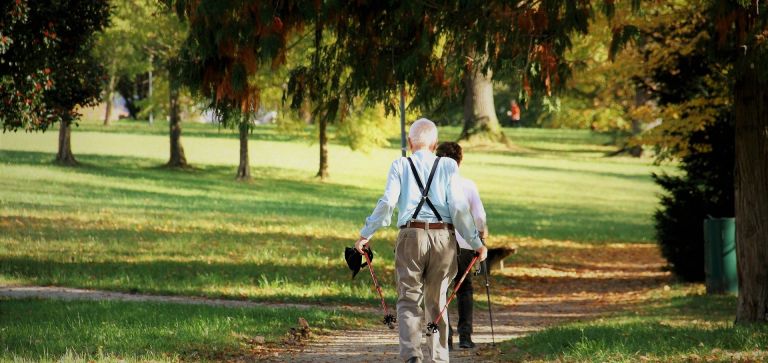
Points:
(425, 264)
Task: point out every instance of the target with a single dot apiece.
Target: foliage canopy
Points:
(46, 66)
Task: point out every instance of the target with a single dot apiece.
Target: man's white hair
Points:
(423, 133)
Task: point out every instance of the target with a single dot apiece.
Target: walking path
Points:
(586, 282)
(68, 293)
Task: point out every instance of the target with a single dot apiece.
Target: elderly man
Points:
(432, 206)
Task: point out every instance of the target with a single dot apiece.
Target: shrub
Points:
(705, 189)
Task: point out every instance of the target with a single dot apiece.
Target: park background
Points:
(602, 186)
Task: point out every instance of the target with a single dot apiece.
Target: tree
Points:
(480, 120)
(164, 46)
(742, 36)
(599, 95)
(426, 44)
(367, 51)
(690, 94)
(227, 44)
(704, 190)
(738, 45)
(145, 35)
(134, 93)
(47, 66)
(119, 47)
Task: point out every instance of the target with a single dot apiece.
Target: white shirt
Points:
(475, 207)
(402, 192)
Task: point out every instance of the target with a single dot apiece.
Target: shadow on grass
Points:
(128, 240)
(260, 133)
(208, 188)
(262, 281)
(669, 330)
(279, 192)
(628, 341)
(602, 174)
(49, 329)
(567, 223)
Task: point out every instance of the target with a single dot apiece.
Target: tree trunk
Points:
(751, 187)
(480, 121)
(320, 116)
(110, 95)
(150, 87)
(641, 97)
(65, 156)
(178, 159)
(323, 126)
(244, 170)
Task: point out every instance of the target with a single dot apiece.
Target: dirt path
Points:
(68, 293)
(568, 281)
(550, 282)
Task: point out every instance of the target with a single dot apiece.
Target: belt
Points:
(424, 225)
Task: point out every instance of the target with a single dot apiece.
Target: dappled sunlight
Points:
(549, 271)
(265, 229)
(526, 196)
(120, 223)
(551, 281)
(697, 323)
(759, 354)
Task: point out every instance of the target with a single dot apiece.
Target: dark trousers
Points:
(464, 295)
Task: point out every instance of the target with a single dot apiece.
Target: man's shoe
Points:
(465, 342)
(413, 360)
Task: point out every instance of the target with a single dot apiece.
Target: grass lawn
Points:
(121, 222)
(50, 330)
(682, 325)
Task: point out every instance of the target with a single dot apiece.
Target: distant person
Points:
(514, 113)
(464, 294)
(425, 250)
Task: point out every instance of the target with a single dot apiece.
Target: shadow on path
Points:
(585, 288)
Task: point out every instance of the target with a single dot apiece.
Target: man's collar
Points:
(423, 152)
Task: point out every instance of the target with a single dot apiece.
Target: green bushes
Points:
(705, 189)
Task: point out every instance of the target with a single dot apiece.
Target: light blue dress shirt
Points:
(446, 193)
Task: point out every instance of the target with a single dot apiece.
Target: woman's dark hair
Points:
(452, 150)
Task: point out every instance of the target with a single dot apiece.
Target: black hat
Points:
(355, 259)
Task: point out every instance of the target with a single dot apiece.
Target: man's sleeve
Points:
(382, 214)
(458, 204)
(477, 209)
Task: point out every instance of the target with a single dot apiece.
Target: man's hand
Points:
(361, 243)
(483, 252)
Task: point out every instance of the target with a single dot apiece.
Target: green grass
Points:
(679, 326)
(541, 141)
(49, 330)
(120, 222)
(195, 129)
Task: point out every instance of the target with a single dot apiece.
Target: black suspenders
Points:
(425, 190)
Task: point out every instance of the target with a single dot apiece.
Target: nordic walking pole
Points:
(432, 326)
(488, 293)
(389, 319)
